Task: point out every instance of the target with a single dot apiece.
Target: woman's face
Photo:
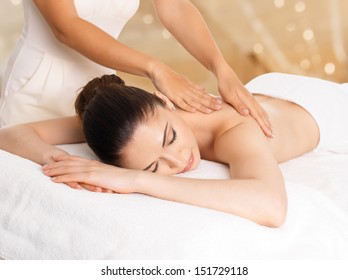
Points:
(164, 144)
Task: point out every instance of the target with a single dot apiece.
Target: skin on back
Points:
(296, 132)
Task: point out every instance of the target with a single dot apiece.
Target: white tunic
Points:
(42, 76)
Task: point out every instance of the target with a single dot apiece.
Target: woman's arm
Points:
(35, 141)
(187, 25)
(91, 41)
(256, 191)
(100, 47)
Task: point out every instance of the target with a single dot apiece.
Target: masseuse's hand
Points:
(233, 92)
(92, 175)
(182, 92)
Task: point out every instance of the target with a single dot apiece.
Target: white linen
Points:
(43, 220)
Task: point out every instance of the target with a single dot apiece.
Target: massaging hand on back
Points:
(191, 97)
(233, 92)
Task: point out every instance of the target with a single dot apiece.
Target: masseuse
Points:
(65, 43)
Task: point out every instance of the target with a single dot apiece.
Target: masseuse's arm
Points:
(100, 47)
(35, 141)
(187, 25)
(256, 191)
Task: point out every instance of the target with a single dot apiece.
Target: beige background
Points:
(304, 37)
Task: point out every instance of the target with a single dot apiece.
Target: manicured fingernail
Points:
(53, 178)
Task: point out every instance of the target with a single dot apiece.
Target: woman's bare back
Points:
(295, 130)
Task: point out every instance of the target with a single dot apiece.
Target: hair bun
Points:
(106, 80)
(92, 88)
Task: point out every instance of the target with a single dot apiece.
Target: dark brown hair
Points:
(110, 112)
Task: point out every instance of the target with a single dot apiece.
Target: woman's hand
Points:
(81, 186)
(233, 92)
(182, 92)
(92, 175)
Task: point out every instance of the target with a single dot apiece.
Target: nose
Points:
(175, 159)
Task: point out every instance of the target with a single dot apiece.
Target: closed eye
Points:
(171, 142)
(174, 137)
(156, 168)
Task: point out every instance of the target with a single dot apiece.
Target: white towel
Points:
(43, 220)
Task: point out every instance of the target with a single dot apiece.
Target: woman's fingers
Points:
(70, 171)
(68, 178)
(184, 93)
(91, 188)
(64, 167)
(80, 173)
(66, 164)
(200, 100)
(204, 102)
(71, 157)
(258, 113)
(74, 185)
(245, 104)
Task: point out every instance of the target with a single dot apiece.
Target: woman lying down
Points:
(141, 141)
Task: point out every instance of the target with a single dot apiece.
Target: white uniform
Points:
(326, 101)
(43, 75)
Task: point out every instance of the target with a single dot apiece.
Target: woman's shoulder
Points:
(238, 135)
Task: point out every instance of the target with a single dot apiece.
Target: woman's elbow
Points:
(276, 210)
(277, 214)
(61, 36)
(65, 32)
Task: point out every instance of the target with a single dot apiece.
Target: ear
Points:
(166, 100)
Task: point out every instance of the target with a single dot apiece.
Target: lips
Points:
(189, 164)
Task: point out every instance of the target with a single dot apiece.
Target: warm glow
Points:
(329, 68)
(305, 64)
(308, 34)
(279, 3)
(300, 7)
(148, 19)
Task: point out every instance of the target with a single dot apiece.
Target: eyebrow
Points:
(165, 135)
(163, 142)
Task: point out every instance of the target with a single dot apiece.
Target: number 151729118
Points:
(220, 270)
